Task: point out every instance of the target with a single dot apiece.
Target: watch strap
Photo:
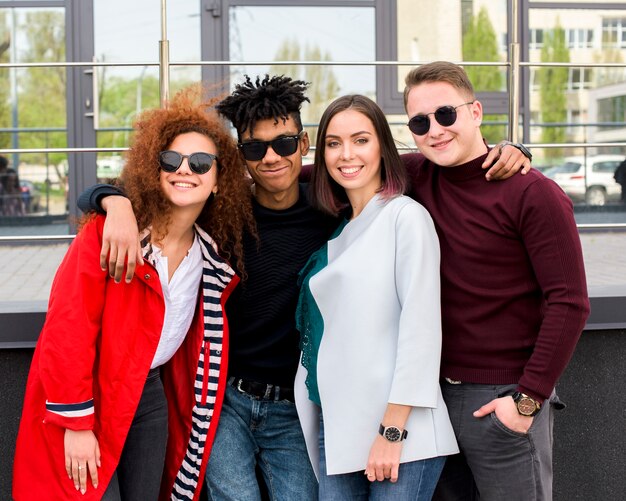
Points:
(519, 146)
(522, 401)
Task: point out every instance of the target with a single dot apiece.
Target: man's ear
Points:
(304, 143)
(477, 112)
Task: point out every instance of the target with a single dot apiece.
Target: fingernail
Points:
(82, 491)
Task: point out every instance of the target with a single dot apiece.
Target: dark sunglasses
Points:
(199, 162)
(283, 146)
(445, 116)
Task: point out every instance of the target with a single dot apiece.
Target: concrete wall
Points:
(589, 451)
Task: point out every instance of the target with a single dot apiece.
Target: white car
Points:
(593, 184)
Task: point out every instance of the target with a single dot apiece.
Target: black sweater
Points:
(261, 311)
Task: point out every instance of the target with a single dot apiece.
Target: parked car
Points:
(591, 182)
(31, 195)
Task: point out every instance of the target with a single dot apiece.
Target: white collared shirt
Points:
(180, 296)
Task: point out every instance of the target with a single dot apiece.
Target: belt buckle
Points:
(239, 388)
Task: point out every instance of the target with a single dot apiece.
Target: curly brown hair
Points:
(229, 212)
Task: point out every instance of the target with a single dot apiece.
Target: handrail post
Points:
(514, 74)
(164, 58)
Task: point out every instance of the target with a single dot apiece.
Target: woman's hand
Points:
(384, 460)
(120, 239)
(82, 453)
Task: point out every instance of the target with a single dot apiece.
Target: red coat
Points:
(91, 363)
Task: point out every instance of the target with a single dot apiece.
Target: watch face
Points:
(393, 434)
(526, 406)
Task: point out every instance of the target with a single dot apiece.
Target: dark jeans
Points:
(495, 463)
(138, 474)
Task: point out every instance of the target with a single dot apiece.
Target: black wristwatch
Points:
(519, 146)
(526, 406)
(392, 433)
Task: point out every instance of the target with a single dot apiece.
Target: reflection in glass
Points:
(577, 104)
(457, 30)
(126, 91)
(32, 115)
(306, 34)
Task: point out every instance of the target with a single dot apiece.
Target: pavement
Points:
(28, 269)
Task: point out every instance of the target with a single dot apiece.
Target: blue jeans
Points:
(416, 481)
(253, 431)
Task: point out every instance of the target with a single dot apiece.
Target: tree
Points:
(324, 84)
(324, 87)
(552, 88)
(118, 106)
(5, 107)
(289, 50)
(41, 93)
(480, 44)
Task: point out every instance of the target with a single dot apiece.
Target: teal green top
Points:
(309, 320)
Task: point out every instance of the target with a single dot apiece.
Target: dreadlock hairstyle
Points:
(227, 213)
(277, 97)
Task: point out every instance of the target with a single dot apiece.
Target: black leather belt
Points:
(262, 391)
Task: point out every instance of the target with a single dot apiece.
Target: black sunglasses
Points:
(283, 146)
(199, 162)
(445, 116)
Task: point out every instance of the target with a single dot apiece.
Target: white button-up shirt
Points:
(180, 296)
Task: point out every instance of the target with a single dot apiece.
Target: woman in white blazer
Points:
(367, 390)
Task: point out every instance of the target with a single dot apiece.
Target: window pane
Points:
(32, 115)
(307, 34)
(457, 30)
(130, 32)
(576, 105)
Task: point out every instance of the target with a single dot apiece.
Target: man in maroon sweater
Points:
(514, 297)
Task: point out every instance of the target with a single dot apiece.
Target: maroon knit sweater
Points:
(514, 296)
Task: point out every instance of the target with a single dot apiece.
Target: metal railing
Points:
(513, 64)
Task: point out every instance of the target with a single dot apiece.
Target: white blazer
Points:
(379, 298)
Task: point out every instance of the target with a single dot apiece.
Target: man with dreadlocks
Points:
(258, 422)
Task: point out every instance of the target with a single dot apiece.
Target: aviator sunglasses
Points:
(199, 163)
(445, 116)
(283, 146)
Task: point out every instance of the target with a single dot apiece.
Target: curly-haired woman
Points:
(129, 377)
